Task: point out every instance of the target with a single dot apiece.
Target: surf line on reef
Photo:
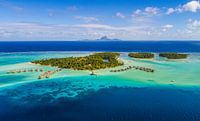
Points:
(18, 83)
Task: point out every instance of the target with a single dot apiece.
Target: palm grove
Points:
(90, 62)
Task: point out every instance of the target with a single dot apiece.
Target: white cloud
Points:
(192, 6)
(145, 16)
(170, 11)
(152, 10)
(120, 15)
(137, 12)
(178, 9)
(167, 27)
(147, 12)
(191, 30)
(194, 24)
(38, 31)
(95, 26)
(87, 19)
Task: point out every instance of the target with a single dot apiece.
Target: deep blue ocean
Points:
(120, 46)
(159, 103)
(112, 104)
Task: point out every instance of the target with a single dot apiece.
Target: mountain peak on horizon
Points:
(103, 38)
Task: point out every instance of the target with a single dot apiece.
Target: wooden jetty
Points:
(24, 71)
(48, 74)
(134, 67)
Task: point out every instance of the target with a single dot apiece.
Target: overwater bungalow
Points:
(48, 74)
(40, 77)
(133, 67)
(25, 70)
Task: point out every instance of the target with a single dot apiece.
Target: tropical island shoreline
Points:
(91, 62)
(131, 69)
(102, 60)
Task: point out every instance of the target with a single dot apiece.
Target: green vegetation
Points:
(141, 55)
(173, 55)
(91, 62)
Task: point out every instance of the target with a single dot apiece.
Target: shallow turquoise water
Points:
(69, 83)
(167, 72)
(75, 95)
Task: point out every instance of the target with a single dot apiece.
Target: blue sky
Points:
(91, 19)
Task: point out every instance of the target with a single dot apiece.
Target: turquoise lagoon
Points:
(167, 72)
(26, 90)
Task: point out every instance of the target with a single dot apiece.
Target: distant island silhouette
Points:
(103, 38)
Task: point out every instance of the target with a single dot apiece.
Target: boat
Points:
(92, 73)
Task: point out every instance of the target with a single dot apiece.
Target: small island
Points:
(90, 62)
(173, 55)
(141, 55)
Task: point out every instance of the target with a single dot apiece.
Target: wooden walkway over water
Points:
(48, 74)
(24, 70)
(134, 67)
